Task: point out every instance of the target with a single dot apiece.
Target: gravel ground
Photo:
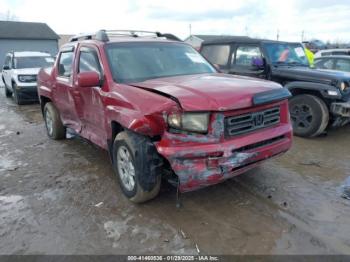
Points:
(63, 198)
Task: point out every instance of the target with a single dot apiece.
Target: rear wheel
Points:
(55, 129)
(137, 165)
(309, 115)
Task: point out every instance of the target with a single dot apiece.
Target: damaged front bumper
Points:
(341, 109)
(341, 113)
(201, 164)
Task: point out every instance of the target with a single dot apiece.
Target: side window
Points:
(216, 54)
(324, 63)
(342, 65)
(339, 53)
(65, 64)
(88, 61)
(326, 53)
(245, 54)
(7, 61)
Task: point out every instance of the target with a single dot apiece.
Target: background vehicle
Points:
(162, 110)
(336, 62)
(315, 45)
(319, 97)
(19, 74)
(331, 52)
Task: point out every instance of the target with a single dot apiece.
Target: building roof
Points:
(26, 30)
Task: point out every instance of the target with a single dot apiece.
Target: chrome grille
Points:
(241, 124)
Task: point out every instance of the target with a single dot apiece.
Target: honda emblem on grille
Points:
(258, 119)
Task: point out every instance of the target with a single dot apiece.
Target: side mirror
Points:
(258, 62)
(5, 67)
(89, 79)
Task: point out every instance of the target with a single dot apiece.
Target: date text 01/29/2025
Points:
(173, 258)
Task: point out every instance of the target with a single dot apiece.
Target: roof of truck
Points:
(123, 39)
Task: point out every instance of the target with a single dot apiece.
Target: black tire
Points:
(17, 95)
(309, 115)
(145, 182)
(8, 93)
(55, 129)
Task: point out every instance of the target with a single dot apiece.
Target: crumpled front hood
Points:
(210, 92)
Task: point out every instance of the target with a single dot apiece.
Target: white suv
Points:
(19, 74)
(330, 52)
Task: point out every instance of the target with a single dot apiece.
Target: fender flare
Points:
(148, 125)
(318, 87)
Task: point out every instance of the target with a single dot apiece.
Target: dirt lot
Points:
(49, 191)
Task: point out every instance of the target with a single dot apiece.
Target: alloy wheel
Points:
(126, 168)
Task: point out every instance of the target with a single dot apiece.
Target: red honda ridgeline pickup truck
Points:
(162, 110)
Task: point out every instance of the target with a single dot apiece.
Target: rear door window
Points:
(245, 54)
(324, 63)
(7, 61)
(65, 64)
(217, 54)
(342, 65)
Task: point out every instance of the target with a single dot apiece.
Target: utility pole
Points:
(302, 36)
(278, 34)
(8, 15)
(190, 26)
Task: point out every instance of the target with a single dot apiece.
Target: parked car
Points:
(19, 74)
(331, 52)
(315, 45)
(161, 110)
(320, 98)
(337, 62)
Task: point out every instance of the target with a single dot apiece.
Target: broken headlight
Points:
(192, 122)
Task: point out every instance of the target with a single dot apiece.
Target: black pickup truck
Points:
(321, 98)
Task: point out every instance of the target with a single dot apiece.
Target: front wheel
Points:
(137, 165)
(17, 95)
(8, 93)
(55, 129)
(309, 115)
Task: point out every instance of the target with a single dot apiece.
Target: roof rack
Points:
(105, 35)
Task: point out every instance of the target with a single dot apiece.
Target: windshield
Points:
(136, 62)
(285, 53)
(33, 62)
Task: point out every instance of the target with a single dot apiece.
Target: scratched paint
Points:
(195, 174)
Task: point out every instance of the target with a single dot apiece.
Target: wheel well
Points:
(43, 101)
(116, 129)
(301, 91)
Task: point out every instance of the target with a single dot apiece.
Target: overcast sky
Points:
(321, 19)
